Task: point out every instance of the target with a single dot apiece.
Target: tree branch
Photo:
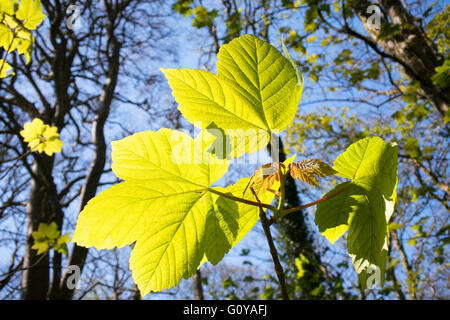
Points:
(273, 250)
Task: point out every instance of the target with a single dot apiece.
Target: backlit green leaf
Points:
(167, 206)
(47, 237)
(365, 205)
(256, 91)
(332, 216)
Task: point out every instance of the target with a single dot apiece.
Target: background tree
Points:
(81, 80)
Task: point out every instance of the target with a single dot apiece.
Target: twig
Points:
(7, 170)
(273, 251)
(332, 195)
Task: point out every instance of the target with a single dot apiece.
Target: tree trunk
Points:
(410, 47)
(35, 277)
(79, 254)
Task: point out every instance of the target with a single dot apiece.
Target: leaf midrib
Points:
(258, 84)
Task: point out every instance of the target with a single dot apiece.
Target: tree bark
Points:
(35, 277)
(43, 207)
(79, 254)
(410, 47)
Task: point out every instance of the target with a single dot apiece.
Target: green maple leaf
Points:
(31, 12)
(363, 206)
(167, 206)
(44, 237)
(256, 91)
